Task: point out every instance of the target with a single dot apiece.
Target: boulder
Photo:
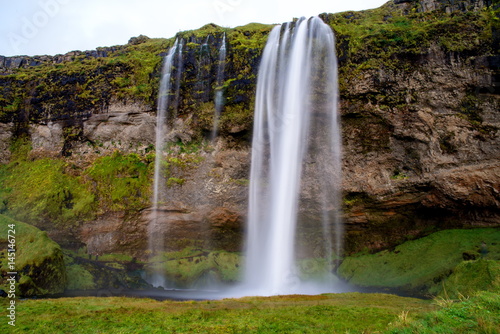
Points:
(39, 262)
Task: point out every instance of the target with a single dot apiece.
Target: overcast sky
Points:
(36, 27)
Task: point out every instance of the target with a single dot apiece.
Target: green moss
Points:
(116, 258)
(142, 60)
(41, 190)
(110, 271)
(250, 36)
(73, 88)
(53, 191)
(20, 148)
(241, 182)
(187, 148)
(172, 181)
(38, 260)
(386, 38)
(316, 269)
(420, 264)
(398, 175)
(236, 116)
(79, 278)
(210, 29)
(355, 198)
(471, 276)
(120, 181)
(191, 266)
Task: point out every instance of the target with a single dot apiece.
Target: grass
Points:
(480, 314)
(421, 264)
(471, 276)
(332, 313)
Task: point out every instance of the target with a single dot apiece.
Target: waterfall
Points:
(203, 74)
(155, 234)
(180, 68)
(161, 118)
(296, 160)
(218, 90)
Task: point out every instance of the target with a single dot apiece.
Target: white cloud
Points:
(57, 26)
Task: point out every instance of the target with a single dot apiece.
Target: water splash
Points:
(219, 98)
(296, 157)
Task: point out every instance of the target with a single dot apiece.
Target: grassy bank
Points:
(330, 313)
(425, 264)
(352, 313)
(479, 314)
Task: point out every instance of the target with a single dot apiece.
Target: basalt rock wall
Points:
(419, 100)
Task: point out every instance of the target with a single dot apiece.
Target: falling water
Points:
(202, 76)
(296, 159)
(156, 238)
(180, 68)
(218, 90)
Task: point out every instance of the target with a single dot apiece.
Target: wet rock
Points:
(6, 131)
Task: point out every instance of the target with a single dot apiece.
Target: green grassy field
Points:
(353, 312)
(329, 313)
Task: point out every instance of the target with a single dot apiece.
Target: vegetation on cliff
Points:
(121, 182)
(38, 260)
(437, 264)
(106, 272)
(58, 189)
(398, 40)
(44, 189)
(197, 268)
(54, 191)
(387, 37)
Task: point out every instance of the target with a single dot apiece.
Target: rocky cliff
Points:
(419, 85)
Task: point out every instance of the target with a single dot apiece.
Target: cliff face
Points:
(419, 84)
(427, 161)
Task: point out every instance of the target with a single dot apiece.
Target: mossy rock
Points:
(44, 190)
(421, 265)
(194, 267)
(110, 271)
(469, 277)
(38, 260)
(80, 278)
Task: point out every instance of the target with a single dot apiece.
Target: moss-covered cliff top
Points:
(80, 83)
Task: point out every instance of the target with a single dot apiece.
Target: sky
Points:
(38, 27)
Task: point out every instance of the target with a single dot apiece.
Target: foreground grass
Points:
(331, 313)
(479, 314)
